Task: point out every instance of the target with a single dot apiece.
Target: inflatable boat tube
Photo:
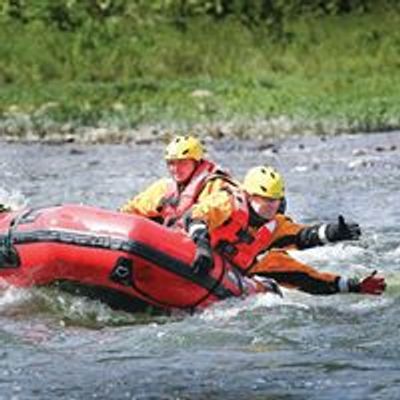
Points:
(124, 256)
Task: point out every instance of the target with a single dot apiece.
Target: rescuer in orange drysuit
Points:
(252, 234)
(204, 192)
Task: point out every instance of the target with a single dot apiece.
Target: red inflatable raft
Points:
(123, 259)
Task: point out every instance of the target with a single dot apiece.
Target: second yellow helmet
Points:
(264, 181)
(183, 148)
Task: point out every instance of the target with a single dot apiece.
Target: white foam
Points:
(267, 300)
(12, 199)
(329, 253)
(78, 308)
(393, 254)
(13, 296)
(222, 311)
(300, 168)
(231, 309)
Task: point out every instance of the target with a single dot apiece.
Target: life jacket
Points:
(235, 241)
(175, 203)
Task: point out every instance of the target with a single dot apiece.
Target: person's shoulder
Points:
(283, 218)
(226, 181)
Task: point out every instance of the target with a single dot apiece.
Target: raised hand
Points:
(343, 231)
(373, 284)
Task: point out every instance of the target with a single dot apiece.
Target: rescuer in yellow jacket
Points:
(194, 179)
(252, 234)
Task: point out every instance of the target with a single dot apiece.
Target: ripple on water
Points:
(55, 345)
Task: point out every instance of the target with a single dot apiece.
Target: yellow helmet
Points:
(183, 148)
(264, 181)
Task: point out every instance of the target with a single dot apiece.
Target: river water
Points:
(55, 345)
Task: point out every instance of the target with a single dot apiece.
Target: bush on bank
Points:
(126, 63)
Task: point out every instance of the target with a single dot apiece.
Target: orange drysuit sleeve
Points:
(278, 264)
(287, 271)
(292, 235)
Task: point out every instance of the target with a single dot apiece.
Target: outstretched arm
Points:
(291, 235)
(292, 273)
(328, 233)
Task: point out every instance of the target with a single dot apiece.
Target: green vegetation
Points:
(125, 63)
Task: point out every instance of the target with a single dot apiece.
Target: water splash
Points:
(65, 309)
(338, 253)
(12, 297)
(14, 200)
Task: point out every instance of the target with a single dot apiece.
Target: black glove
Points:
(342, 231)
(203, 260)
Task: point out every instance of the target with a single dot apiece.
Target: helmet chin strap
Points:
(182, 185)
(282, 206)
(255, 218)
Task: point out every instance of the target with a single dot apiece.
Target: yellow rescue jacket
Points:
(165, 201)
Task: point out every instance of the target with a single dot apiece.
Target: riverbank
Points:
(325, 75)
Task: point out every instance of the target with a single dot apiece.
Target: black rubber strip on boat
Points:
(162, 260)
